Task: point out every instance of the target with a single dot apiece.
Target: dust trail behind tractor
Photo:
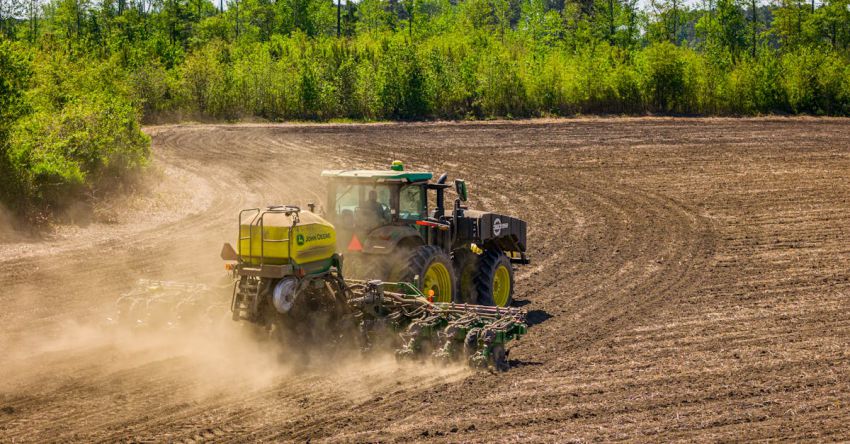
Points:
(377, 315)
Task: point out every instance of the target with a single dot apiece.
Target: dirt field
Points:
(690, 281)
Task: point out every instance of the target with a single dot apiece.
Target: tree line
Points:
(79, 75)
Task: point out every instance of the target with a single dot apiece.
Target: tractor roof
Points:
(375, 175)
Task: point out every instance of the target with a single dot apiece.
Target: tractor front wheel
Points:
(494, 279)
(434, 270)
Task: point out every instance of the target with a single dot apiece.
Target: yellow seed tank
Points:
(311, 239)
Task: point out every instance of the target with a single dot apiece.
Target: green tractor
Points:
(388, 229)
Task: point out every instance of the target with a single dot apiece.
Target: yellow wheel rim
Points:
(437, 278)
(501, 286)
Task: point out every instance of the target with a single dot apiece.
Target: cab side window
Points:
(411, 202)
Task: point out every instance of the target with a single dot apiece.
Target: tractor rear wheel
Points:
(466, 264)
(494, 279)
(434, 269)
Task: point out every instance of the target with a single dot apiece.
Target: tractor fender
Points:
(385, 240)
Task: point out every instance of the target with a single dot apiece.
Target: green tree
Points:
(669, 20)
(372, 16)
(831, 22)
(792, 23)
(15, 76)
(722, 29)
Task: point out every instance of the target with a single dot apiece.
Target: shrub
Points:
(15, 76)
(402, 89)
(207, 81)
(451, 66)
(663, 72)
(814, 81)
(755, 86)
(156, 89)
(78, 131)
(88, 144)
(501, 90)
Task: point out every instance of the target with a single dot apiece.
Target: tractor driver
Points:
(373, 211)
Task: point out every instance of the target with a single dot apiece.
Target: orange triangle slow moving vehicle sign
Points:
(354, 245)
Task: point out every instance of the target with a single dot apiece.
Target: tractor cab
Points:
(363, 200)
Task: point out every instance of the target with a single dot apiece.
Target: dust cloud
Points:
(206, 353)
(8, 226)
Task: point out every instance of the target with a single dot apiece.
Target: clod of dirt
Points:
(9, 410)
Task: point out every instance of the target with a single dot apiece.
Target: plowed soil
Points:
(690, 280)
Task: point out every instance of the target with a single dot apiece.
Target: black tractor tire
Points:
(417, 263)
(466, 264)
(488, 264)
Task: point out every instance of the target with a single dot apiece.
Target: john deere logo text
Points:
(301, 239)
(498, 226)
